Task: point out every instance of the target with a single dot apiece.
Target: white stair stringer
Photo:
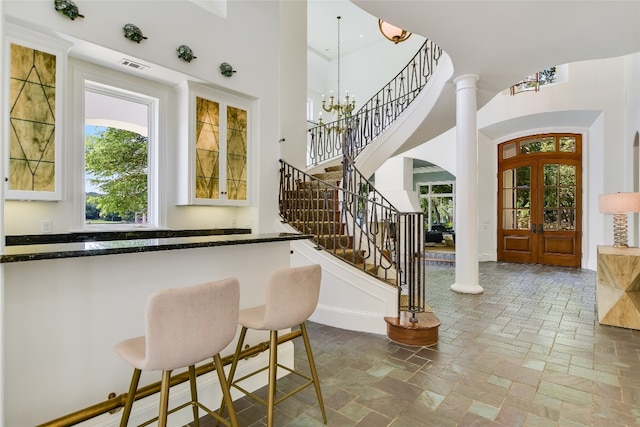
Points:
(349, 298)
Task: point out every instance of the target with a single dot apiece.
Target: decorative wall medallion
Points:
(133, 33)
(68, 9)
(226, 69)
(185, 53)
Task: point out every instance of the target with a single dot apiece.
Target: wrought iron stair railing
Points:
(379, 112)
(350, 219)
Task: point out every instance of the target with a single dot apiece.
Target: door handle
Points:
(540, 228)
(533, 228)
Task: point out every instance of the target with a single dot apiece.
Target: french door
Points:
(539, 205)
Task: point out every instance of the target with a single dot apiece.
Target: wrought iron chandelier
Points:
(341, 109)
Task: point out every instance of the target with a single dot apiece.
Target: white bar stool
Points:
(184, 326)
(291, 297)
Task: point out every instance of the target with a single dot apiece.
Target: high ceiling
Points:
(358, 29)
(502, 41)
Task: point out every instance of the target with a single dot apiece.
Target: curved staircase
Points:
(350, 220)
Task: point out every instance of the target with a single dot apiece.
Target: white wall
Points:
(249, 38)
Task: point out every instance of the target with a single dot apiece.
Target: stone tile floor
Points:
(527, 352)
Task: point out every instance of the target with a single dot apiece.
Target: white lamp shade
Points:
(616, 203)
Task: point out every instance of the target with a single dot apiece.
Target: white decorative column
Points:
(466, 226)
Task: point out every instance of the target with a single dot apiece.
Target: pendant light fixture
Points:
(393, 33)
(335, 106)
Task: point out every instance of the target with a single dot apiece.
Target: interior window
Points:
(437, 203)
(118, 143)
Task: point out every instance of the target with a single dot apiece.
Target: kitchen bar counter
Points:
(65, 304)
(38, 248)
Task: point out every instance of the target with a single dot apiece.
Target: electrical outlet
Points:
(46, 226)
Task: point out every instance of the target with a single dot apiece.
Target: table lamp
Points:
(619, 204)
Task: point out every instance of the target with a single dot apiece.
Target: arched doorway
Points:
(540, 199)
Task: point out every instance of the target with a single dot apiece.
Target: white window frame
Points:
(134, 89)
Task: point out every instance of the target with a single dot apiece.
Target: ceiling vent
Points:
(133, 64)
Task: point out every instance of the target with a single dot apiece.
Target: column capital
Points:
(466, 81)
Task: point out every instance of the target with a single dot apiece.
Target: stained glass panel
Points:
(32, 115)
(207, 167)
(236, 154)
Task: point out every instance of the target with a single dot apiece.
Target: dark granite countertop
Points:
(135, 243)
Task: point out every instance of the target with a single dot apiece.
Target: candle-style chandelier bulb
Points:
(335, 106)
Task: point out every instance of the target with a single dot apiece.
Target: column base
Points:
(467, 288)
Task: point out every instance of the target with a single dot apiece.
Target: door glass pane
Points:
(567, 175)
(516, 193)
(551, 197)
(538, 145)
(550, 219)
(559, 193)
(567, 219)
(524, 219)
(567, 197)
(523, 177)
(508, 198)
(568, 144)
(509, 219)
(523, 198)
(509, 178)
(550, 175)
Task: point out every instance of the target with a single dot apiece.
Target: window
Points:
(437, 203)
(119, 158)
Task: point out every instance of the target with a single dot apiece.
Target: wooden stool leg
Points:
(314, 372)
(194, 395)
(126, 413)
(164, 398)
(273, 366)
(226, 392)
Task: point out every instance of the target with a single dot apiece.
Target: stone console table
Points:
(618, 286)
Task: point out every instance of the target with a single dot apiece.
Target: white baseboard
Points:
(364, 321)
